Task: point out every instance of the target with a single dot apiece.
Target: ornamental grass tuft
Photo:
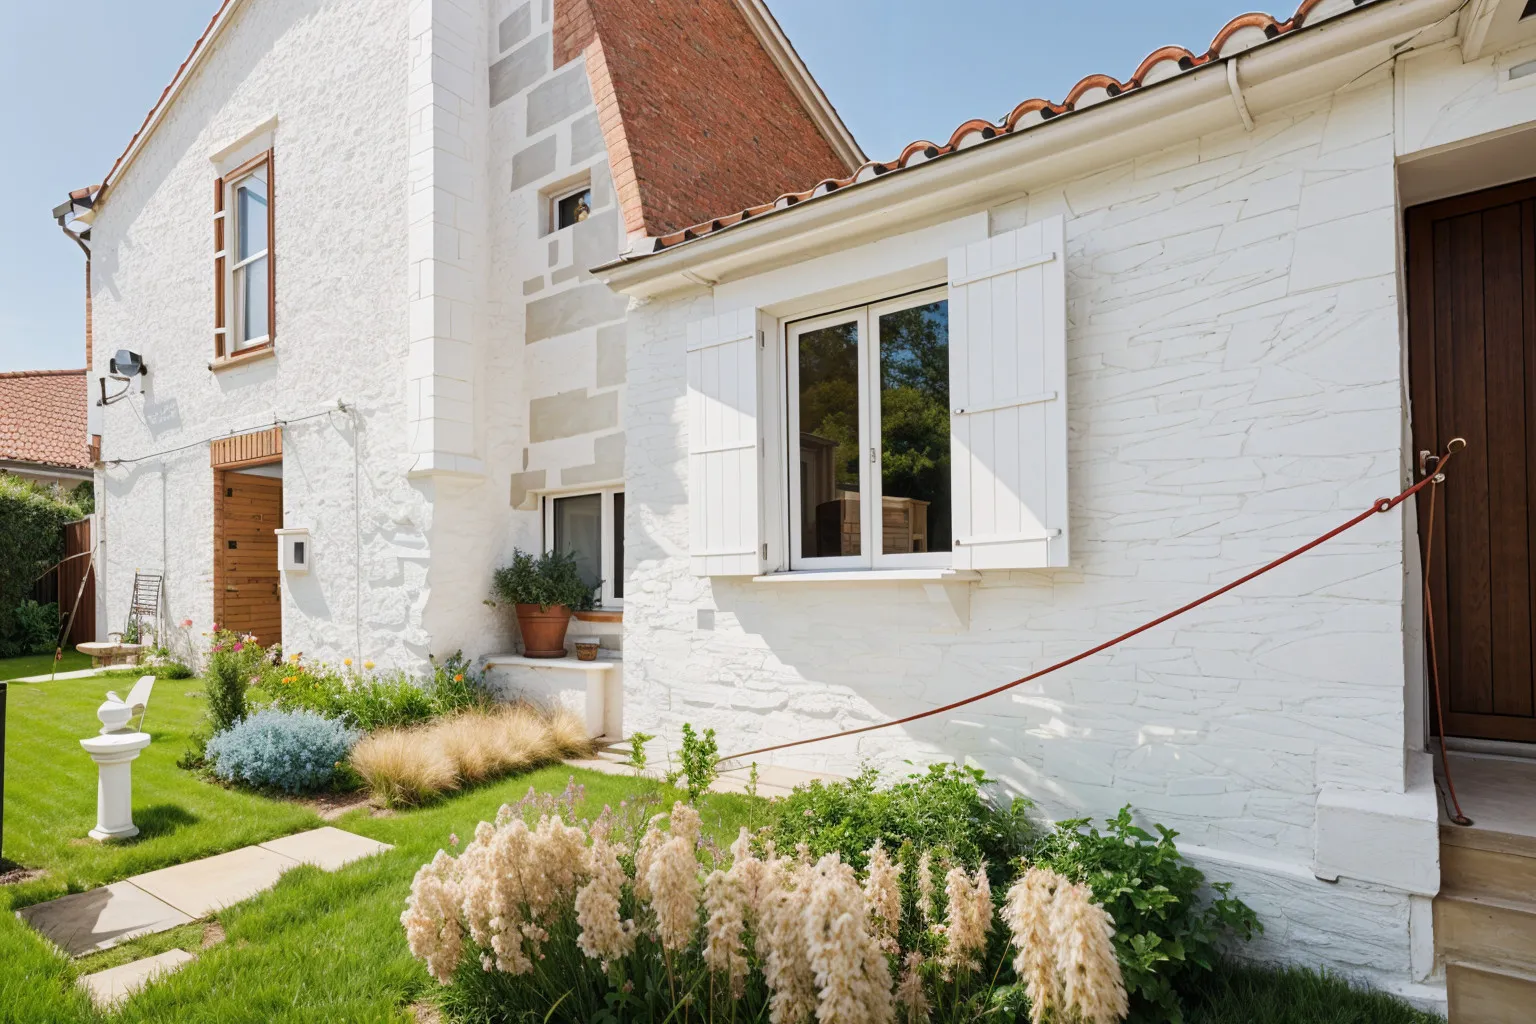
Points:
(410, 766)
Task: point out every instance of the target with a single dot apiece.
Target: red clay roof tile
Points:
(1239, 34)
(42, 417)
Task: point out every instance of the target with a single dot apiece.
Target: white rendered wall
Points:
(333, 74)
(1235, 389)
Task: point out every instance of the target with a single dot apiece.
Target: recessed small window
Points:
(572, 208)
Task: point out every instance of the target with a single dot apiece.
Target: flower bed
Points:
(633, 916)
(296, 726)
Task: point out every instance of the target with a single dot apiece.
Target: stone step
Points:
(1476, 994)
(109, 987)
(1494, 932)
(1475, 870)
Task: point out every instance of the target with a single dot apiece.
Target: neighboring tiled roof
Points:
(42, 417)
(1239, 34)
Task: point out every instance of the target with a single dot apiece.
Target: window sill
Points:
(568, 663)
(871, 576)
(600, 615)
(250, 355)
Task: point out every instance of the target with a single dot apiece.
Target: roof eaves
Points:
(1238, 35)
(169, 93)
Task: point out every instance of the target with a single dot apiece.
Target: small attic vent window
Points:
(574, 207)
(1525, 70)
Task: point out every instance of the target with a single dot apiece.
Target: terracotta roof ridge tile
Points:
(1238, 34)
(14, 374)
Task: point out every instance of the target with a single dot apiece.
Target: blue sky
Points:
(73, 89)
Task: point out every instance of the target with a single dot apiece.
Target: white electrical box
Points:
(294, 549)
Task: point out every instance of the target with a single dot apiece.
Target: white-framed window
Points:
(243, 258)
(590, 526)
(570, 206)
(868, 416)
(817, 443)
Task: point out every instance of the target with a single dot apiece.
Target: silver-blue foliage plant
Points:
(293, 751)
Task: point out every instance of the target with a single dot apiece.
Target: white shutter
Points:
(725, 537)
(1008, 398)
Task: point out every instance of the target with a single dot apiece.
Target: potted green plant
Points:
(544, 590)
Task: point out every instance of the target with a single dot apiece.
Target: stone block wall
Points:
(1235, 389)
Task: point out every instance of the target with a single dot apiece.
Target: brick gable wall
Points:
(698, 119)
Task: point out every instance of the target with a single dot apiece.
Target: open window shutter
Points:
(220, 335)
(723, 471)
(1008, 393)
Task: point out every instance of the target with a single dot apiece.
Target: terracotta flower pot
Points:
(543, 629)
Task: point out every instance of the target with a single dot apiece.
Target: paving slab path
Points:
(156, 901)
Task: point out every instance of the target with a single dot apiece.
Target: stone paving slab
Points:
(200, 887)
(110, 987)
(86, 922)
(326, 848)
(79, 673)
(772, 781)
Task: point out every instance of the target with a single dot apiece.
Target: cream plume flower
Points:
(780, 941)
(604, 935)
(968, 918)
(1028, 916)
(853, 979)
(431, 917)
(925, 887)
(910, 991)
(882, 895)
(672, 879)
(1084, 933)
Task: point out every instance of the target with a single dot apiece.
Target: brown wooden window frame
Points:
(224, 316)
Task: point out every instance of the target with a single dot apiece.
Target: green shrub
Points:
(37, 627)
(32, 518)
(943, 808)
(1166, 936)
(234, 661)
(365, 702)
(294, 751)
(456, 686)
(700, 756)
(551, 579)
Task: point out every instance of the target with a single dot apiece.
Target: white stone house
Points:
(349, 244)
(1192, 319)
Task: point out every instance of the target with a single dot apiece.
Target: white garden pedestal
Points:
(114, 753)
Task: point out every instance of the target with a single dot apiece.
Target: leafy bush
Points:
(230, 666)
(1165, 935)
(943, 808)
(366, 702)
(551, 579)
(701, 762)
(32, 518)
(293, 751)
(456, 686)
(37, 627)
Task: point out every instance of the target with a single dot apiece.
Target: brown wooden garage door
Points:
(246, 595)
(1472, 352)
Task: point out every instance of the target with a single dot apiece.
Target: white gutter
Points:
(1311, 62)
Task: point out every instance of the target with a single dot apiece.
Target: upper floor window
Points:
(570, 207)
(243, 243)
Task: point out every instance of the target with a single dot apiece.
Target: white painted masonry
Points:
(1237, 387)
(408, 254)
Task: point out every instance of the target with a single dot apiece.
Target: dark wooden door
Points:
(246, 597)
(1472, 356)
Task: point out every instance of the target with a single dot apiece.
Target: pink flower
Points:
(453, 839)
(238, 646)
(186, 623)
(216, 647)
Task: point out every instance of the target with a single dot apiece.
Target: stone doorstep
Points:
(169, 897)
(115, 984)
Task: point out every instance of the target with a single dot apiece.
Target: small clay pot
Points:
(543, 629)
(586, 648)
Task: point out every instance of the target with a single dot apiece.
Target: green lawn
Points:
(329, 947)
(40, 664)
